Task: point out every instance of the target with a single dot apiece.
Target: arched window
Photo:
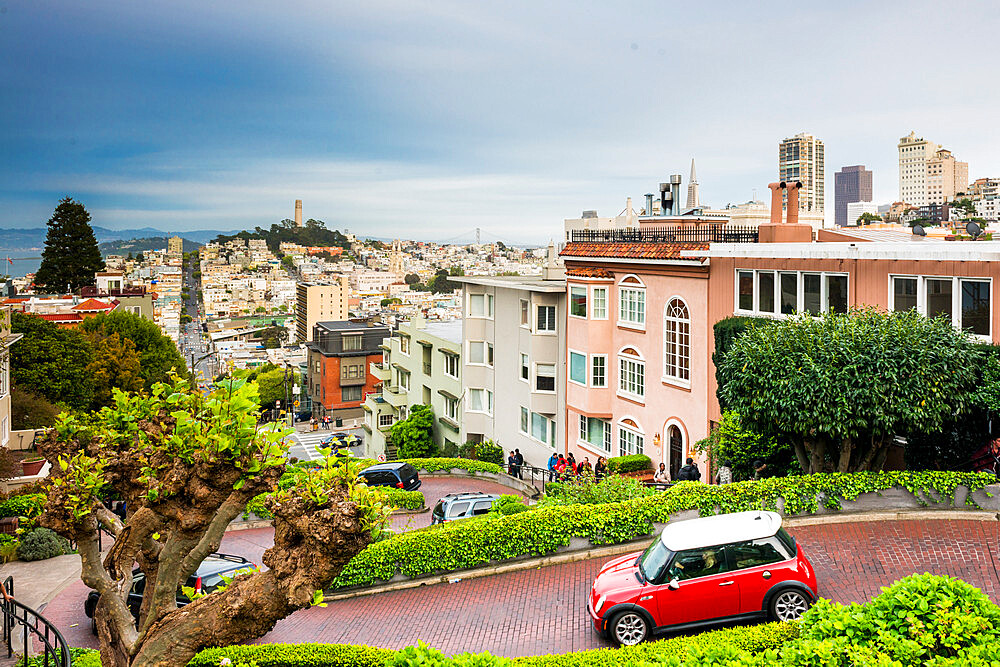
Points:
(631, 302)
(677, 341)
(631, 373)
(631, 439)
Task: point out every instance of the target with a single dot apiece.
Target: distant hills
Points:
(133, 246)
(22, 240)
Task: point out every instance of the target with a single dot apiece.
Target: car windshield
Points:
(653, 560)
(439, 509)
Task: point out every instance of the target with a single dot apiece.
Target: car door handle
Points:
(727, 583)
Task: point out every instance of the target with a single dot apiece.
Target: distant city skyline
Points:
(393, 119)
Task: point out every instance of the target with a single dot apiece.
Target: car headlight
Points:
(600, 603)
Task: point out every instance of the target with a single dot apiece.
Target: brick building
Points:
(339, 358)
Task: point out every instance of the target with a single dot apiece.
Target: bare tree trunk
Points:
(801, 454)
(817, 456)
(846, 451)
(877, 452)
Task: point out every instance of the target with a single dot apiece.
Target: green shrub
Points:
(490, 452)
(80, 657)
(295, 655)
(42, 543)
(585, 490)
(27, 506)
(726, 332)
(630, 463)
(508, 504)
(435, 464)
(407, 500)
(731, 441)
(494, 537)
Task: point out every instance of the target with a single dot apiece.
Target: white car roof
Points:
(720, 529)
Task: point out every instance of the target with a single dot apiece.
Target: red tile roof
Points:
(61, 318)
(589, 272)
(631, 250)
(93, 305)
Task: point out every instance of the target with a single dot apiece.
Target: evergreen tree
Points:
(71, 256)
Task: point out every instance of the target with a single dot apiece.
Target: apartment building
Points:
(985, 196)
(340, 355)
(175, 245)
(421, 365)
(803, 158)
(514, 363)
(914, 152)
(850, 184)
(324, 301)
(641, 311)
(946, 177)
(7, 339)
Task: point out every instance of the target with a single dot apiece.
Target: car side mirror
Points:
(674, 584)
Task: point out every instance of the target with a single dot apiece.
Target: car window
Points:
(458, 509)
(695, 563)
(439, 509)
(482, 507)
(756, 552)
(406, 471)
(138, 583)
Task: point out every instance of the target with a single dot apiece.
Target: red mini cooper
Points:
(704, 571)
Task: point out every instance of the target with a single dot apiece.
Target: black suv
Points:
(398, 474)
(461, 505)
(206, 579)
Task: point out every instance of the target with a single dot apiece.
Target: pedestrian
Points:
(584, 468)
(511, 463)
(312, 423)
(553, 461)
(661, 476)
(760, 469)
(326, 422)
(571, 461)
(689, 471)
(518, 462)
(600, 468)
(725, 473)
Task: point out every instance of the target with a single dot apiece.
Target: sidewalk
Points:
(36, 583)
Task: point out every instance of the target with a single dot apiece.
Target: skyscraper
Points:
(692, 200)
(802, 158)
(850, 184)
(914, 152)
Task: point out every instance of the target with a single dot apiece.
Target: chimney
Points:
(792, 215)
(298, 212)
(675, 194)
(776, 189)
(649, 204)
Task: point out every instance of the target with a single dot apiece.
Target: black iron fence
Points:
(705, 233)
(21, 621)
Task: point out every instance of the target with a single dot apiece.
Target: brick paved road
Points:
(542, 610)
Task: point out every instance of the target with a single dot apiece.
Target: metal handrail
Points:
(56, 649)
(695, 233)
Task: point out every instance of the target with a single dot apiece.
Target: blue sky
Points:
(427, 119)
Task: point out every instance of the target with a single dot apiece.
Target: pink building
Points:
(643, 302)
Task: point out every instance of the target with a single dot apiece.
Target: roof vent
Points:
(589, 214)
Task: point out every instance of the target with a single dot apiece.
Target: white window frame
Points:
(485, 401)
(404, 344)
(637, 434)
(683, 361)
(956, 297)
(487, 353)
(569, 367)
(404, 412)
(525, 371)
(524, 313)
(382, 416)
(639, 292)
(623, 391)
(487, 306)
(555, 318)
(555, 378)
(824, 298)
(524, 426)
(586, 301)
(450, 357)
(451, 409)
(590, 370)
(594, 289)
(584, 433)
(549, 428)
(403, 379)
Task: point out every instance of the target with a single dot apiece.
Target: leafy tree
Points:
(867, 218)
(414, 436)
(730, 441)
(139, 257)
(51, 361)
(29, 410)
(440, 283)
(71, 256)
(843, 385)
(115, 365)
(411, 279)
(271, 387)
(274, 336)
(186, 465)
(288, 262)
(389, 301)
(157, 353)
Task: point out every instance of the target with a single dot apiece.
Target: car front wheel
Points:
(788, 605)
(629, 628)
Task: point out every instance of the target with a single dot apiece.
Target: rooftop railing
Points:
(706, 233)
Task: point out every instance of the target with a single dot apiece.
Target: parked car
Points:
(704, 571)
(396, 473)
(207, 578)
(462, 505)
(340, 439)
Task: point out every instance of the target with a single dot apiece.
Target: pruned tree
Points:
(186, 465)
(841, 386)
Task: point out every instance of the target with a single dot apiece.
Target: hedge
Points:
(480, 540)
(751, 638)
(29, 505)
(407, 500)
(630, 463)
(435, 464)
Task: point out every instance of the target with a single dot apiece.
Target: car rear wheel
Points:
(629, 628)
(788, 605)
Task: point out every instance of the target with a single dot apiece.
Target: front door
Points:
(706, 588)
(675, 443)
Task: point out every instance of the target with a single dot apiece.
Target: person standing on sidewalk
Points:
(518, 462)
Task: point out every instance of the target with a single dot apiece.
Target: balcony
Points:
(380, 370)
(395, 396)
